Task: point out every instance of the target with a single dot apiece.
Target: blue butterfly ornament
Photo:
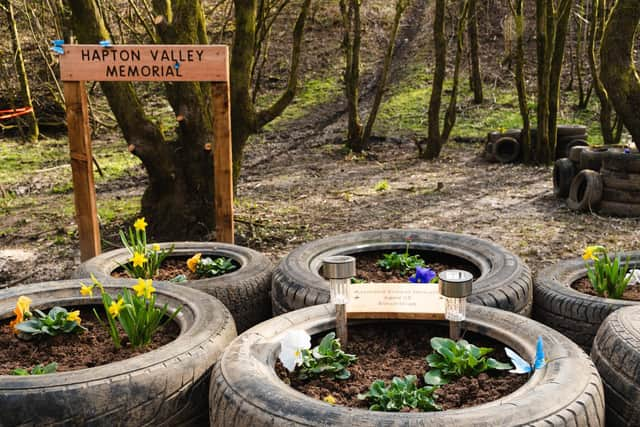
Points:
(522, 367)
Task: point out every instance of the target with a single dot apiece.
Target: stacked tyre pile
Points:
(506, 147)
(604, 179)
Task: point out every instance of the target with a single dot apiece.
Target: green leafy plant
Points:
(145, 259)
(327, 358)
(57, 321)
(457, 359)
(207, 267)
(36, 370)
(400, 394)
(402, 263)
(608, 275)
(137, 314)
(381, 185)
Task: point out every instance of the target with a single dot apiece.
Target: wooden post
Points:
(222, 162)
(341, 324)
(84, 192)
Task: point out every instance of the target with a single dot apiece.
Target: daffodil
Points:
(116, 307)
(74, 316)
(329, 399)
(155, 247)
(193, 262)
(144, 287)
(138, 259)
(140, 224)
(21, 311)
(590, 252)
(86, 290)
(292, 345)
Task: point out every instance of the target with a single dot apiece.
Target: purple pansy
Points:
(423, 275)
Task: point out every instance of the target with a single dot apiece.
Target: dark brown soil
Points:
(368, 269)
(170, 268)
(88, 349)
(397, 349)
(632, 293)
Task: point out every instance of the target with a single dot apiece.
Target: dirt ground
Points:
(298, 184)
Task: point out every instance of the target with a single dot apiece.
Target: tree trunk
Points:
(617, 69)
(434, 140)
(561, 26)
(350, 11)
(542, 47)
(401, 6)
(597, 21)
(475, 78)
(25, 91)
(517, 11)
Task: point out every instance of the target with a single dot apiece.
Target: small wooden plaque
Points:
(144, 63)
(395, 301)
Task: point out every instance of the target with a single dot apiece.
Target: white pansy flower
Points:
(634, 277)
(291, 348)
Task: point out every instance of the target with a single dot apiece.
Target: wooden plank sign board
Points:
(145, 63)
(395, 301)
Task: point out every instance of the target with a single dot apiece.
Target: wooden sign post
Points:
(81, 63)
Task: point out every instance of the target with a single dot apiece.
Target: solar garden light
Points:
(455, 286)
(339, 270)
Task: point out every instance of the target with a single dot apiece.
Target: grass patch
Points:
(115, 210)
(311, 93)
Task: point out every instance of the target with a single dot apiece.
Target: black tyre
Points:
(620, 196)
(620, 180)
(575, 152)
(563, 173)
(623, 162)
(619, 209)
(246, 392)
(573, 143)
(506, 149)
(245, 292)
(504, 281)
(616, 354)
(586, 191)
(576, 315)
(571, 131)
(164, 387)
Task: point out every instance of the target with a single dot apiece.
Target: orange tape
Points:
(14, 112)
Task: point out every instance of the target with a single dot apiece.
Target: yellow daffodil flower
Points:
(193, 262)
(330, 399)
(140, 224)
(116, 307)
(590, 252)
(138, 259)
(21, 310)
(144, 287)
(74, 316)
(86, 290)
(155, 247)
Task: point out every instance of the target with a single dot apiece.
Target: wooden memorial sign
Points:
(395, 301)
(80, 63)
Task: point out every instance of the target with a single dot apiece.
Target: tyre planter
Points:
(502, 279)
(576, 315)
(245, 390)
(563, 173)
(166, 386)
(616, 354)
(585, 193)
(245, 291)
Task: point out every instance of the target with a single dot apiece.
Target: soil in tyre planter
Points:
(170, 268)
(583, 285)
(394, 350)
(616, 355)
(575, 314)
(86, 349)
(367, 266)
